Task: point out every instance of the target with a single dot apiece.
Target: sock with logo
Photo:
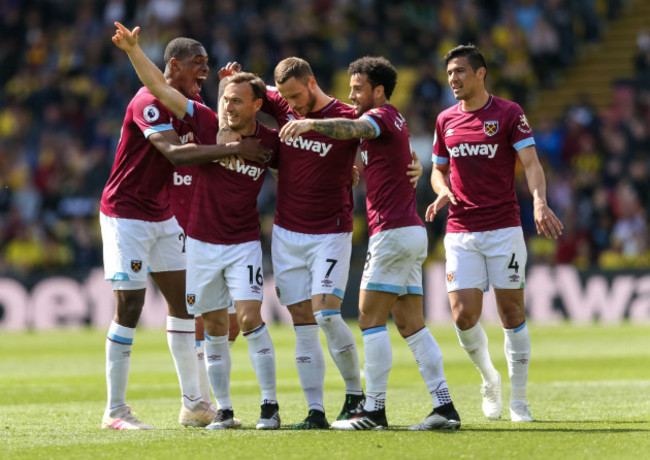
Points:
(517, 350)
(219, 364)
(262, 354)
(427, 354)
(119, 341)
(310, 363)
(378, 362)
(475, 342)
(342, 348)
(182, 344)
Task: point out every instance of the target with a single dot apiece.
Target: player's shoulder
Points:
(147, 107)
(264, 130)
(505, 105)
(339, 109)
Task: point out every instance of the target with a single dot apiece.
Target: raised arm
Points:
(225, 134)
(546, 221)
(149, 74)
(336, 128)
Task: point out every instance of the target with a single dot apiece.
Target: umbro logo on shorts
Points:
(191, 299)
(514, 278)
(303, 359)
(327, 283)
(136, 265)
(255, 289)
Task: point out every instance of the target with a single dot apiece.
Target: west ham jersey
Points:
(138, 187)
(224, 205)
(390, 197)
(481, 150)
(182, 184)
(181, 192)
(314, 172)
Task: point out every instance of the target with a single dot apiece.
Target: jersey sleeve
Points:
(440, 154)
(151, 116)
(521, 134)
(275, 105)
(203, 120)
(378, 121)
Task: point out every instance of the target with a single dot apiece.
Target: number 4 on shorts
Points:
(514, 264)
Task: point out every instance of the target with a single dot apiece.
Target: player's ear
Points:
(258, 104)
(378, 91)
(481, 72)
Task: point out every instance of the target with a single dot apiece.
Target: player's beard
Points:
(311, 103)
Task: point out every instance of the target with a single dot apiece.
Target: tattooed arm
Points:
(336, 128)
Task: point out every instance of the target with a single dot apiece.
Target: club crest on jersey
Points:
(490, 127)
(136, 265)
(151, 113)
(523, 125)
(450, 277)
(191, 299)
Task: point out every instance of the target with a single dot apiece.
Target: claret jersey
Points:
(138, 187)
(481, 150)
(314, 187)
(390, 199)
(224, 205)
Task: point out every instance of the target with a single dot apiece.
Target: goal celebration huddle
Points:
(199, 238)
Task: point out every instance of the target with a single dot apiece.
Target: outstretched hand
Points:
(124, 38)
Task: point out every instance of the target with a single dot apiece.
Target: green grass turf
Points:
(589, 390)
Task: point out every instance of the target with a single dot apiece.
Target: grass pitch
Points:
(589, 391)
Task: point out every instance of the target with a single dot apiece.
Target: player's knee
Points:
(466, 320)
(302, 313)
(128, 307)
(408, 328)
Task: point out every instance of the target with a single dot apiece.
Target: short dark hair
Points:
(292, 67)
(257, 84)
(180, 48)
(474, 56)
(379, 70)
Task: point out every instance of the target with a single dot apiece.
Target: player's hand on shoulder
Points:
(294, 128)
(415, 170)
(546, 221)
(124, 38)
(443, 198)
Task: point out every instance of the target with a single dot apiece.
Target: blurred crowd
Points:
(64, 88)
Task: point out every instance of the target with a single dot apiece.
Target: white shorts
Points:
(394, 261)
(305, 265)
(217, 273)
(478, 259)
(133, 247)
